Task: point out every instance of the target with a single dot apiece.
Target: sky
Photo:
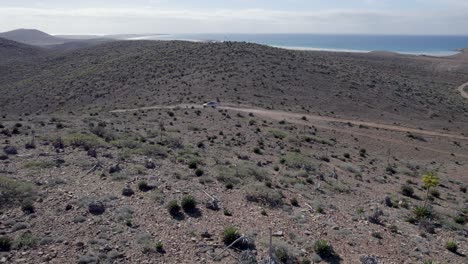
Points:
(408, 17)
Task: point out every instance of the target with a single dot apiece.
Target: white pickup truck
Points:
(211, 104)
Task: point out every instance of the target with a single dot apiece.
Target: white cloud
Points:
(144, 20)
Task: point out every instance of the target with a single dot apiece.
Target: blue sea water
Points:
(428, 45)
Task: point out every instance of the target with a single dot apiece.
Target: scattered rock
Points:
(96, 208)
(278, 234)
(127, 191)
(114, 168)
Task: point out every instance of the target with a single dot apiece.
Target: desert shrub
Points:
(296, 160)
(26, 240)
(323, 248)
(154, 151)
(226, 212)
(416, 137)
(463, 189)
(294, 202)
(143, 186)
(193, 163)
(375, 216)
(278, 134)
(259, 193)
(451, 246)
(39, 164)
(199, 172)
(257, 151)
(127, 143)
(86, 141)
(390, 169)
(159, 247)
(13, 190)
(189, 203)
(363, 153)
(320, 209)
(28, 206)
(241, 173)
(459, 219)
(421, 212)
(284, 254)
(320, 140)
(102, 132)
(230, 234)
(173, 207)
(407, 190)
(5, 243)
(347, 155)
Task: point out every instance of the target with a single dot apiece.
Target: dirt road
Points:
(462, 91)
(281, 115)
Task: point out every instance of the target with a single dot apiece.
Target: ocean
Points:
(420, 45)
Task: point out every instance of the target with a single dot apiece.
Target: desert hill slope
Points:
(145, 73)
(14, 51)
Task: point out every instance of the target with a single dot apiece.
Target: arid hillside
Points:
(402, 89)
(108, 156)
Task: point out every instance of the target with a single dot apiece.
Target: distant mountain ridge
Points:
(38, 38)
(32, 37)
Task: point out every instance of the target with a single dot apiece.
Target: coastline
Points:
(441, 53)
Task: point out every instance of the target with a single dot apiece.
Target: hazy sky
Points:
(237, 16)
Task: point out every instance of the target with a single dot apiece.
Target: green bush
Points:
(193, 163)
(26, 240)
(159, 247)
(278, 134)
(153, 151)
(189, 203)
(173, 207)
(259, 193)
(39, 164)
(421, 212)
(230, 235)
(5, 243)
(86, 141)
(143, 186)
(451, 246)
(241, 173)
(459, 219)
(322, 248)
(14, 191)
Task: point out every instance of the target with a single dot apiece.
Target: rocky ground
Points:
(356, 187)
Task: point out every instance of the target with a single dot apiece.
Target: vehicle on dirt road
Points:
(211, 104)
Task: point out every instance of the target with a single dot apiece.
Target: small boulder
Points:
(127, 191)
(96, 208)
(114, 168)
(10, 150)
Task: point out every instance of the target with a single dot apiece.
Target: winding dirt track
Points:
(462, 91)
(276, 114)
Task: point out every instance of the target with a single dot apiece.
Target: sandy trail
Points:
(462, 91)
(276, 114)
